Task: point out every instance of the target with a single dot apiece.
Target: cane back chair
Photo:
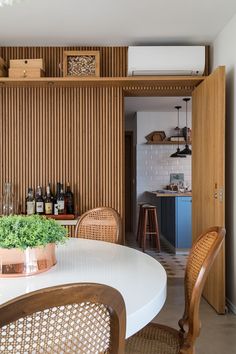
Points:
(159, 339)
(102, 224)
(80, 318)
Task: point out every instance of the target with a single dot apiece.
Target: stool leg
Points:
(149, 224)
(142, 214)
(144, 229)
(139, 224)
(157, 231)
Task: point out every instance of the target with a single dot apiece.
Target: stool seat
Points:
(148, 225)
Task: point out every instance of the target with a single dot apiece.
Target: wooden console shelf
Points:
(129, 81)
(131, 85)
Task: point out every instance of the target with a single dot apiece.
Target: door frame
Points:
(153, 94)
(130, 134)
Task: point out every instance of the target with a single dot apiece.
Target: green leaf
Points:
(18, 231)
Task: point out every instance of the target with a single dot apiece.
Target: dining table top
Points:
(140, 279)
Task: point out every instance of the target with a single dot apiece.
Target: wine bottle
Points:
(69, 200)
(56, 197)
(48, 202)
(30, 202)
(61, 201)
(39, 201)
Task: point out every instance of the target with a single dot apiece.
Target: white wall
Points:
(224, 53)
(154, 163)
(167, 121)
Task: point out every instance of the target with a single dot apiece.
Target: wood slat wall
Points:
(113, 60)
(59, 134)
(70, 230)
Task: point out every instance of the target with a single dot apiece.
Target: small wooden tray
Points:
(61, 217)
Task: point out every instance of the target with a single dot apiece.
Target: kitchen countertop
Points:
(167, 193)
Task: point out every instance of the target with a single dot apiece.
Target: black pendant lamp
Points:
(186, 150)
(177, 153)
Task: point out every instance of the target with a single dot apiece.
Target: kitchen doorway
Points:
(152, 168)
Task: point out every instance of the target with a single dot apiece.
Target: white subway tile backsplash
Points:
(154, 166)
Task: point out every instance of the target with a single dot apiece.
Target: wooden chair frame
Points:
(191, 312)
(100, 210)
(69, 294)
(203, 254)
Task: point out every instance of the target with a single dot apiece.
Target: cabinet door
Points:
(168, 219)
(183, 210)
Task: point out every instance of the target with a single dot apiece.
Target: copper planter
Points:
(17, 263)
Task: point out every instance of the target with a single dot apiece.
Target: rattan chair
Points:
(158, 339)
(78, 318)
(102, 224)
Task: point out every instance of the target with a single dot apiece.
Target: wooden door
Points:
(208, 171)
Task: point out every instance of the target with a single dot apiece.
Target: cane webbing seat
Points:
(154, 339)
(158, 339)
(74, 318)
(102, 224)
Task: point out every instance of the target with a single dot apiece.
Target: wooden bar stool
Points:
(149, 225)
(138, 237)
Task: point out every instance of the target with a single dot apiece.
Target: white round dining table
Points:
(138, 277)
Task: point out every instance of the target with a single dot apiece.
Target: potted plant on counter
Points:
(27, 244)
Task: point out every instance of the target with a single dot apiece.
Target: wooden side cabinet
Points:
(176, 221)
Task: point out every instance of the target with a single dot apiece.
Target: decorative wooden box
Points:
(19, 73)
(81, 63)
(26, 68)
(27, 64)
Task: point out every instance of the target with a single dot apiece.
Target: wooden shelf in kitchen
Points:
(168, 142)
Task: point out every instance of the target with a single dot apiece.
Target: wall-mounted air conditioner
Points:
(166, 60)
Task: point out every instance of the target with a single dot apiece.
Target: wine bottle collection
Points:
(60, 203)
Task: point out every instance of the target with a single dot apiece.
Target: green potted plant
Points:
(27, 244)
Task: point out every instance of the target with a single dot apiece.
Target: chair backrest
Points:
(102, 224)
(200, 260)
(73, 318)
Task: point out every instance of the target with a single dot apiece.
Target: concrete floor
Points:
(218, 333)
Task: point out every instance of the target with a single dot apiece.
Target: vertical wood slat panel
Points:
(60, 134)
(65, 134)
(70, 230)
(113, 60)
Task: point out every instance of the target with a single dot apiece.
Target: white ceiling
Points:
(113, 22)
(154, 104)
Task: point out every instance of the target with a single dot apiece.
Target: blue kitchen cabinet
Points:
(176, 221)
(183, 222)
